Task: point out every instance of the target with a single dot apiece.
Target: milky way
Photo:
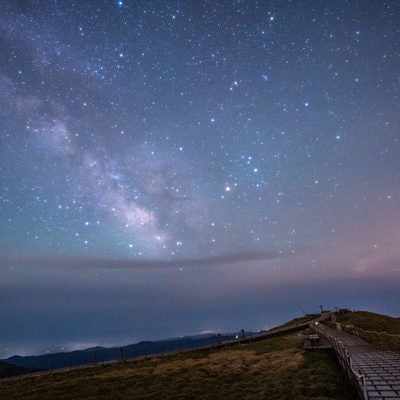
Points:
(259, 139)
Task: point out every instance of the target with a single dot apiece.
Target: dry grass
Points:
(381, 330)
(222, 363)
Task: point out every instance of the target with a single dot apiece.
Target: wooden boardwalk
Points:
(376, 372)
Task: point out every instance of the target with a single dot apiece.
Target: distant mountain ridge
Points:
(102, 354)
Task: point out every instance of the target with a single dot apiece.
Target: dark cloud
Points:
(66, 262)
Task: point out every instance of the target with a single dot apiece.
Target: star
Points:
(162, 134)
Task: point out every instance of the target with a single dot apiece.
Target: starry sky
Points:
(175, 167)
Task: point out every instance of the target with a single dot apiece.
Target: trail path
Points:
(377, 372)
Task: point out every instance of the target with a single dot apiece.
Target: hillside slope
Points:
(380, 330)
(371, 321)
(274, 368)
(8, 370)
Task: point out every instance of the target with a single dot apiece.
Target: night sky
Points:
(175, 167)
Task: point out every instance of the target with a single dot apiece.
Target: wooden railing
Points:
(345, 360)
(382, 340)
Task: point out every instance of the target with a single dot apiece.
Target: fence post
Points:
(364, 387)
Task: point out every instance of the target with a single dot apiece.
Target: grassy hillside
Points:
(275, 368)
(380, 330)
(371, 321)
(7, 370)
